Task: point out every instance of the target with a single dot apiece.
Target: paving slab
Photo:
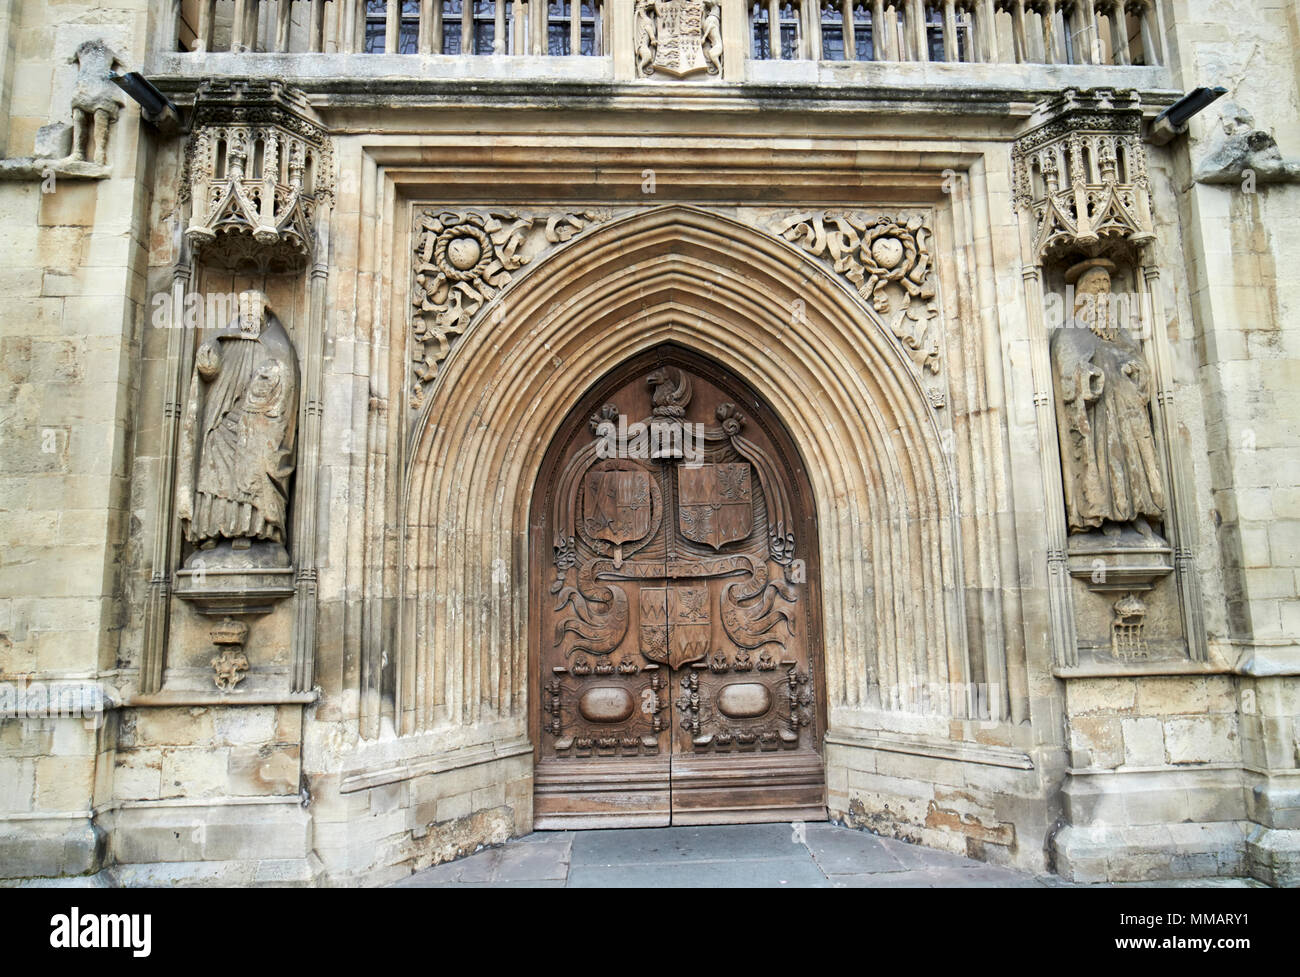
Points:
(773, 873)
(841, 852)
(744, 842)
(747, 856)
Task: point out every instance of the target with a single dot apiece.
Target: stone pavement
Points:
(743, 855)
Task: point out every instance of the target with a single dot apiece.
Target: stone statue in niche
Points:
(237, 448)
(1108, 457)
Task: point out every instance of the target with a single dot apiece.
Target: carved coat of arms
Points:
(616, 507)
(716, 503)
(675, 628)
(678, 37)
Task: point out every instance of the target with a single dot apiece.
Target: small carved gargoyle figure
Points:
(96, 101)
(1241, 147)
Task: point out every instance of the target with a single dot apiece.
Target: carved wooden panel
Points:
(674, 615)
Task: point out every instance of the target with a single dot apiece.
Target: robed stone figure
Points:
(1103, 417)
(237, 448)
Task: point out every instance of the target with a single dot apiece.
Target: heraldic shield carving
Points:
(616, 507)
(673, 618)
(675, 624)
(678, 37)
(716, 504)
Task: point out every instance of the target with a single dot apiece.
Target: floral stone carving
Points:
(461, 261)
(887, 259)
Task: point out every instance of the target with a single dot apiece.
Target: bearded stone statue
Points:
(1103, 417)
(237, 448)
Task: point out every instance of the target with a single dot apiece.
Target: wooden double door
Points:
(675, 641)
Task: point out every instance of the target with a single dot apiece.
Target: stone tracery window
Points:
(377, 26)
(762, 15)
(562, 33)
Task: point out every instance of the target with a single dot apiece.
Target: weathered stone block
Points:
(263, 770)
(1205, 739)
(1100, 696)
(194, 772)
(173, 727)
(1144, 742)
(1096, 741)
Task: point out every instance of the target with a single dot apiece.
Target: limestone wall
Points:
(72, 291)
(410, 741)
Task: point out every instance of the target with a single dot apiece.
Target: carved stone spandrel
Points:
(886, 258)
(460, 261)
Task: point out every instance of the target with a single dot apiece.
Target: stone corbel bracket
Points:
(258, 164)
(886, 259)
(1081, 172)
(461, 260)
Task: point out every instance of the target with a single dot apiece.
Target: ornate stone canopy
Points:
(257, 165)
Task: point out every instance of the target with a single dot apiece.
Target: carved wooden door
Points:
(674, 632)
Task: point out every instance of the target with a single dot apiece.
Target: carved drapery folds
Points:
(238, 452)
(257, 165)
(1082, 172)
(1103, 416)
(461, 260)
(678, 37)
(887, 260)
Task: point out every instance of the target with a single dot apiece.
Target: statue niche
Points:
(237, 456)
(1113, 483)
(1103, 417)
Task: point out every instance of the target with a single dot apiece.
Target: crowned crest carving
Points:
(257, 166)
(678, 37)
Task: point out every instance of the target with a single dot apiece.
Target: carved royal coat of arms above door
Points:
(676, 648)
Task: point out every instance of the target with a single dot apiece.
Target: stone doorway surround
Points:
(876, 422)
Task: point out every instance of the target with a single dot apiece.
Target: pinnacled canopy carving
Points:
(257, 165)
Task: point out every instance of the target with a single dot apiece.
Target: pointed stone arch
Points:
(836, 377)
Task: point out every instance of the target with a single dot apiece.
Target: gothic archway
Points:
(884, 496)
